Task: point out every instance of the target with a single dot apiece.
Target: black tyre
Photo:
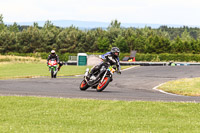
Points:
(101, 86)
(55, 75)
(52, 73)
(84, 86)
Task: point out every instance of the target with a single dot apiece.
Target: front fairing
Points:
(52, 63)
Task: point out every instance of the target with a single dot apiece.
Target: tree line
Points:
(32, 39)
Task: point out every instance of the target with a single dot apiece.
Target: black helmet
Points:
(115, 51)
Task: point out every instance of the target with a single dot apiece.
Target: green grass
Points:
(187, 87)
(17, 59)
(28, 70)
(34, 114)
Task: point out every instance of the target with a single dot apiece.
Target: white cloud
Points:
(133, 11)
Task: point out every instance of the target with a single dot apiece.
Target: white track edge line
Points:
(129, 68)
(155, 88)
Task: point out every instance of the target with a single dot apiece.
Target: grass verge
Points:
(34, 114)
(5, 59)
(186, 87)
(29, 70)
(26, 70)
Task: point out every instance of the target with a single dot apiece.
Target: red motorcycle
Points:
(53, 67)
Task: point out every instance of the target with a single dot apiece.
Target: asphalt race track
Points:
(132, 84)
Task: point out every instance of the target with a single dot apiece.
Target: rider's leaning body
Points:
(53, 55)
(111, 57)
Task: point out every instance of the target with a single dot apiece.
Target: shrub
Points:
(182, 57)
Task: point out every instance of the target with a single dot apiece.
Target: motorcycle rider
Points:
(53, 55)
(111, 57)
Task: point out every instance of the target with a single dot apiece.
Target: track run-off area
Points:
(137, 83)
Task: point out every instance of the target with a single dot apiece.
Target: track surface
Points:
(133, 84)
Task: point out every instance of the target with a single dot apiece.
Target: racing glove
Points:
(118, 71)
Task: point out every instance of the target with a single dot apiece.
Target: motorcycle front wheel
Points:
(52, 73)
(102, 85)
(56, 73)
(84, 86)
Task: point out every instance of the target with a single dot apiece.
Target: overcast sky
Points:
(184, 12)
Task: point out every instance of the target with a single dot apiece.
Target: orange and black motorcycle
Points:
(99, 80)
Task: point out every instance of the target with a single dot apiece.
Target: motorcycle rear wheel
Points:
(84, 86)
(101, 86)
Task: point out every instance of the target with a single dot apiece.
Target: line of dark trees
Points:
(31, 39)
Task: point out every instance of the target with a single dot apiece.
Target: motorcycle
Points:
(52, 64)
(99, 80)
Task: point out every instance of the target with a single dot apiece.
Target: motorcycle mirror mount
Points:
(87, 71)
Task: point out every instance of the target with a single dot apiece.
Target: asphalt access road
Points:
(132, 84)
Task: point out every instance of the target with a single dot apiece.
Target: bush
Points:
(168, 57)
(139, 56)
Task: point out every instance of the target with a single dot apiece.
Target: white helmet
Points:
(53, 51)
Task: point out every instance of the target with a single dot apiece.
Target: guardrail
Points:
(125, 63)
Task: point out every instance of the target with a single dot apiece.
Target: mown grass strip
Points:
(186, 87)
(29, 70)
(25, 70)
(19, 59)
(34, 114)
